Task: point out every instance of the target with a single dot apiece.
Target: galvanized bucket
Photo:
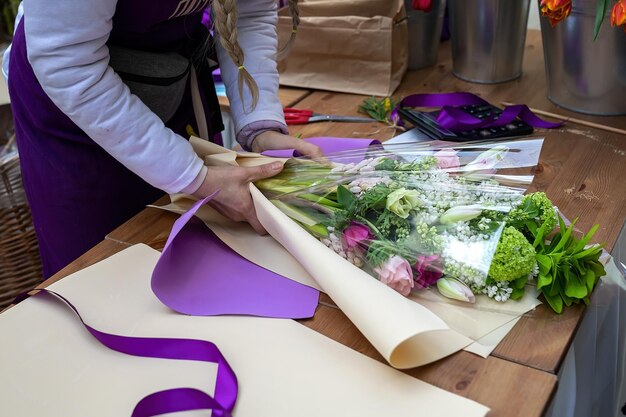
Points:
(583, 75)
(488, 39)
(424, 33)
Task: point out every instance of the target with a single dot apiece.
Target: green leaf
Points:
(555, 288)
(295, 213)
(594, 250)
(346, 198)
(597, 268)
(519, 283)
(318, 230)
(590, 279)
(555, 302)
(601, 11)
(543, 280)
(545, 263)
(567, 300)
(540, 239)
(517, 293)
(319, 199)
(574, 286)
(564, 238)
(583, 242)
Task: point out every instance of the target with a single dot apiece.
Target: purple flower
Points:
(396, 273)
(355, 236)
(428, 269)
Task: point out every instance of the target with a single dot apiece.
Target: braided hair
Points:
(225, 23)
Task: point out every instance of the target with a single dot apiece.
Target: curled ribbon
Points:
(177, 399)
(456, 120)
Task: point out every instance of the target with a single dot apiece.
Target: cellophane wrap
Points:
(418, 217)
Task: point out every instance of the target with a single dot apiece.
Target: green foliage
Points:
(346, 199)
(514, 257)
(568, 269)
(603, 5)
(392, 226)
(535, 211)
(9, 11)
(386, 164)
(374, 199)
(378, 109)
(381, 250)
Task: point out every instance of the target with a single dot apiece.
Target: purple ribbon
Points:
(177, 399)
(456, 120)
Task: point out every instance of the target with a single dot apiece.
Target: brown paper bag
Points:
(351, 46)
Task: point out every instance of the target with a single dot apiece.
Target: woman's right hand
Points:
(233, 199)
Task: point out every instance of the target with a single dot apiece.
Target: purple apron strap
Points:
(177, 399)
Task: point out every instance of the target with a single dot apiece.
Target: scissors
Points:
(303, 116)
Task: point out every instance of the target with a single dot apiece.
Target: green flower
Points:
(402, 201)
(514, 257)
(535, 211)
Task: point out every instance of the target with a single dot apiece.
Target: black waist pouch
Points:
(158, 79)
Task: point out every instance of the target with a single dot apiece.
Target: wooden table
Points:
(582, 171)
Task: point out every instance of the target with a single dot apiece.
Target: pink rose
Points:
(447, 158)
(396, 273)
(428, 270)
(355, 235)
(423, 5)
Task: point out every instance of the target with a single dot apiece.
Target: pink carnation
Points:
(428, 270)
(355, 235)
(447, 158)
(396, 273)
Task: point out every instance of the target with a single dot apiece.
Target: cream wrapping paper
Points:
(407, 332)
(51, 366)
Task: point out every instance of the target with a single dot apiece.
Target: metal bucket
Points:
(488, 39)
(424, 33)
(583, 75)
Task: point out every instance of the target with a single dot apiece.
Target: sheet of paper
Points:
(487, 344)
(51, 366)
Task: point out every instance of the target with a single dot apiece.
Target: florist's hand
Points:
(272, 140)
(234, 200)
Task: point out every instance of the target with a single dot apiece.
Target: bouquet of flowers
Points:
(452, 218)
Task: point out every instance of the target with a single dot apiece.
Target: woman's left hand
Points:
(271, 140)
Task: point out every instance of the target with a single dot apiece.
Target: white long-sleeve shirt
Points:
(66, 43)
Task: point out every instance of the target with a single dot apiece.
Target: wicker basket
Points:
(20, 265)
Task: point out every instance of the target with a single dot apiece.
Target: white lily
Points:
(455, 289)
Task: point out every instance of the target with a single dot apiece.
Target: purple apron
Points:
(77, 192)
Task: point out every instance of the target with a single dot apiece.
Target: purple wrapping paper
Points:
(329, 145)
(197, 274)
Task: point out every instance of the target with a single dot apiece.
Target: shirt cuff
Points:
(197, 182)
(249, 132)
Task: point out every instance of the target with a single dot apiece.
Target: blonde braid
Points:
(295, 19)
(226, 15)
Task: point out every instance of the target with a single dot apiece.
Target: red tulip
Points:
(556, 10)
(423, 5)
(618, 14)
